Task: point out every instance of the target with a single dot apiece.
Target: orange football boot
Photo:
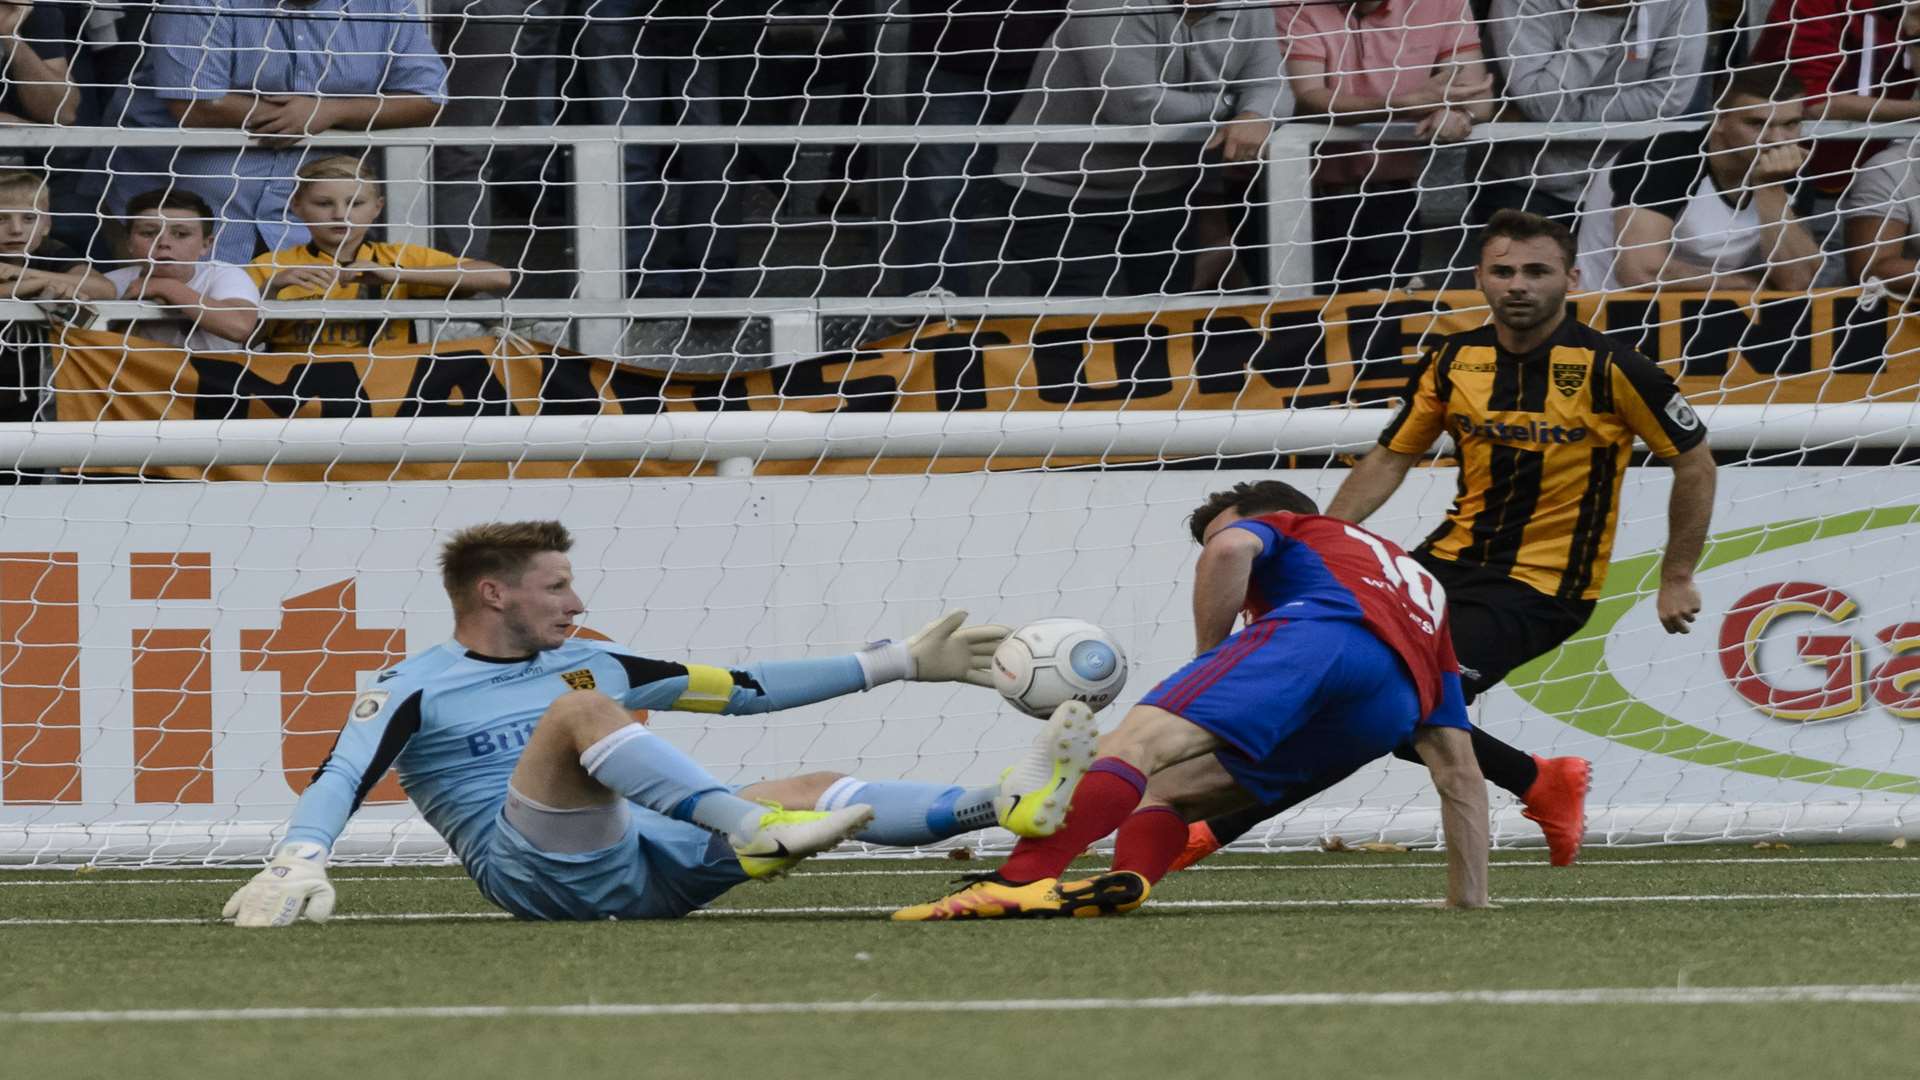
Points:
(1200, 844)
(1557, 802)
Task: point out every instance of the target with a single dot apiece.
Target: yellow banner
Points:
(1333, 351)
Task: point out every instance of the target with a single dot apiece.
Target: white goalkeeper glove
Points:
(293, 884)
(943, 651)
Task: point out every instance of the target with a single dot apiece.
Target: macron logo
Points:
(1532, 431)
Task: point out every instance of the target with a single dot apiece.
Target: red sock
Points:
(1149, 841)
(1106, 795)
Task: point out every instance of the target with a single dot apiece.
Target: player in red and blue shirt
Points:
(1346, 655)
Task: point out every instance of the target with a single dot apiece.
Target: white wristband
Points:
(302, 849)
(885, 662)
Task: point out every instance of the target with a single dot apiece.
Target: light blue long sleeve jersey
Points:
(455, 723)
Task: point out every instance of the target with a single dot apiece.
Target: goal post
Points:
(178, 655)
(812, 322)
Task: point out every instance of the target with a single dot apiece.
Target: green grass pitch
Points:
(1670, 962)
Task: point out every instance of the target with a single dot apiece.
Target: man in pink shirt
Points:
(1378, 61)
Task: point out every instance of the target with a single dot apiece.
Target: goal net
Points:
(814, 321)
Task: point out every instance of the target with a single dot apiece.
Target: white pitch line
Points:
(1539, 864)
(1899, 994)
(1203, 868)
(1157, 905)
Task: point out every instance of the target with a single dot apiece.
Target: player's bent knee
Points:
(802, 792)
(584, 717)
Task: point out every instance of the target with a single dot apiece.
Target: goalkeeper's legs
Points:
(587, 751)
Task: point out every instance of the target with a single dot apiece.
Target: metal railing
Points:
(599, 306)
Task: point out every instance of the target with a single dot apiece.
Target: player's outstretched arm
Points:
(1448, 753)
(945, 650)
(1369, 484)
(294, 885)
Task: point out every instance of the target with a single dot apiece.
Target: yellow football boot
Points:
(1034, 793)
(1114, 893)
(785, 837)
(987, 897)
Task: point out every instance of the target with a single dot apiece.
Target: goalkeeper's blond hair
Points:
(497, 549)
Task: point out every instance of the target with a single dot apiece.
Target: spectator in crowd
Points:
(1882, 213)
(1370, 62)
(1107, 217)
(1853, 58)
(478, 39)
(169, 233)
(339, 199)
(320, 67)
(1707, 209)
(33, 265)
(657, 62)
(975, 57)
(1583, 62)
(36, 44)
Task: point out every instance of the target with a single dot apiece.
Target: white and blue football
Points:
(1051, 661)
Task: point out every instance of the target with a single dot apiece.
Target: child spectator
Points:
(33, 265)
(169, 233)
(339, 199)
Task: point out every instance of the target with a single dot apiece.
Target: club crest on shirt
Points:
(1568, 378)
(367, 705)
(579, 680)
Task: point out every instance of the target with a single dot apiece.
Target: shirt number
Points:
(1410, 577)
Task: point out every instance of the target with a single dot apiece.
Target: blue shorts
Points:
(1300, 702)
(660, 869)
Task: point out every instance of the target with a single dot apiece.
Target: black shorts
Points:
(1498, 623)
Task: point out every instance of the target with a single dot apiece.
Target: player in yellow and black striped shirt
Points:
(1544, 438)
(1544, 412)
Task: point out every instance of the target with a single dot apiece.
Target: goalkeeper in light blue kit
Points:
(517, 743)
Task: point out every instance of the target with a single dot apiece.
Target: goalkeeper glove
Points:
(943, 651)
(293, 884)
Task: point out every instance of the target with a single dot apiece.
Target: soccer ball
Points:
(1051, 661)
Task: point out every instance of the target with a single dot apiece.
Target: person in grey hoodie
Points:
(1107, 218)
(1585, 62)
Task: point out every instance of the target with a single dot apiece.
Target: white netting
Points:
(813, 319)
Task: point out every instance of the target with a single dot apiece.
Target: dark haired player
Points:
(1544, 411)
(1346, 656)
